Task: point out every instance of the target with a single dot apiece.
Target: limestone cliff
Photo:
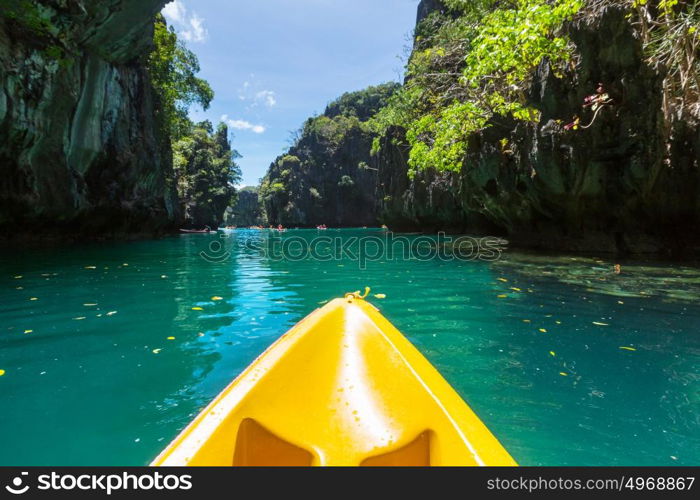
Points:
(329, 176)
(625, 185)
(80, 147)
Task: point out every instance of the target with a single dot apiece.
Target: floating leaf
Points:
(197, 309)
(156, 351)
(598, 323)
(516, 289)
(543, 330)
(18, 277)
(33, 299)
(563, 374)
(90, 267)
(171, 338)
(554, 354)
(111, 313)
(79, 318)
(200, 334)
(28, 331)
(380, 295)
(620, 302)
(217, 298)
(502, 279)
(558, 322)
(628, 348)
(2, 372)
(503, 296)
(527, 321)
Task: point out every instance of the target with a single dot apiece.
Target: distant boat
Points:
(206, 230)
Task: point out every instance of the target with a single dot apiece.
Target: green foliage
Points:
(362, 104)
(173, 69)
(346, 181)
(29, 15)
(469, 64)
(205, 170)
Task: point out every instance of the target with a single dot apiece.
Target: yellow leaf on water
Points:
(563, 374)
(543, 330)
(125, 265)
(28, 331)
(79, 318)
(527, 321)
(503, 296)
(18, 277)
(598, 323)
(33, 299)
(620, 302)
(516, 289)
(558, 322)
(197, 309)
(217, 298)
(553, 353)
(171, 338)
(2, 372)
(156, 351)
(628, 348)
(90, 267)
(380, 295)
(502, 279)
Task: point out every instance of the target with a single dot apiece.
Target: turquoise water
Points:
(91, 377)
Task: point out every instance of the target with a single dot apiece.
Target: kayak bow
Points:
(342, 387)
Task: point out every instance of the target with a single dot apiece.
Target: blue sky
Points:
(274, 63)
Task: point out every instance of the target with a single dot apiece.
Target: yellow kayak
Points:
(343, 387)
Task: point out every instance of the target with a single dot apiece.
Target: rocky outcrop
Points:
(81, 150)
(625, 185)
(329, 176)
(247, 211)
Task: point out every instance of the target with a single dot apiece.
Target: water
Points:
(113, 389)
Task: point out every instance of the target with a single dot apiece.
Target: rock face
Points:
(247, 211)
(80, 148)
(329, 176)
(625, 185)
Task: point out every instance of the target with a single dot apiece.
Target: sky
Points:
(274, 63)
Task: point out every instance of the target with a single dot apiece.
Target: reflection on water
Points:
(566, 361)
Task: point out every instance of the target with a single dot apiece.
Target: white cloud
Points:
(242, 125)
(190, 27)
(267, 97)
(175, 12)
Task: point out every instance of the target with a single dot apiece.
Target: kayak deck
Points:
(343, 387)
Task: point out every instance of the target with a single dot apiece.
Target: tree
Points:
(206, 173)
(173, 69)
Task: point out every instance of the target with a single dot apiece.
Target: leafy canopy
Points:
(173, 69)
